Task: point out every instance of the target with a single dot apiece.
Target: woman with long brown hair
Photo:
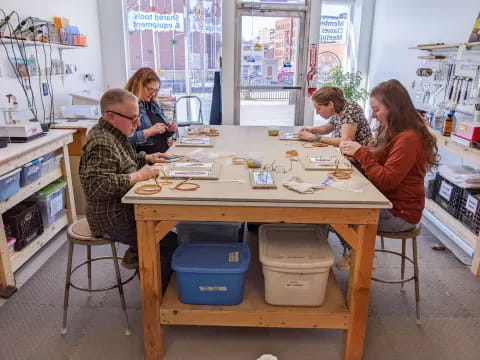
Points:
(154, 130)
(398, 159)
(347, 119)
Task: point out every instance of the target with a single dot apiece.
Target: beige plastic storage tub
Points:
(296, 261)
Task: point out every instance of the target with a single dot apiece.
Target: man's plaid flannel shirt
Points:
(107, 160)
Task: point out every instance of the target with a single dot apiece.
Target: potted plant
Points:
(349, 83)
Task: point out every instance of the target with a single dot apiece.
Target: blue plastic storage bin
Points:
(9, 184)
(211, 273)
(31, 172)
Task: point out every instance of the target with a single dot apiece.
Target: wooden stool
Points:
(412, 234)
(79, 233)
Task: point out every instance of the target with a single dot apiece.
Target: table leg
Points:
(359, 291)
(151, 283)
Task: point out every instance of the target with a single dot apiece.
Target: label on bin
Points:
(297, 284)
(446, 190)
(56, 205)
(472, 204)
(213, 288)
(233, 256)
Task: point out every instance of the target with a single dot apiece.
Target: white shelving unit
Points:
(14, 156)
(23, 45)
(460, 234)
(436, 217)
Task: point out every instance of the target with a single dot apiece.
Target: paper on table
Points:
(187, 173)
(193, 164)
(195, 140)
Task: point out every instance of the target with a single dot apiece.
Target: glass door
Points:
(270, 75)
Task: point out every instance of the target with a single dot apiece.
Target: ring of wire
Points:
(181, 184)
(310, 146)
(238, 160)
(148, 189)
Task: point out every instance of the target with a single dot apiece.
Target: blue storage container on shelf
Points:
(9, 184)
(211, 273)
(31, 172)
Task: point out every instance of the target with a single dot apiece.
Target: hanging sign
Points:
(313, 56)
(139, 20)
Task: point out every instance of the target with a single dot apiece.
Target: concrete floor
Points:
(30, 321)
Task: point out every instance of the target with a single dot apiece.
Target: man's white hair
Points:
(114, 97)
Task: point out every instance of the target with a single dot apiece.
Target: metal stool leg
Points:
(382, 243)
(417, 279)
(120, 287)
(63, 331)
(89, 267)
(402, 269)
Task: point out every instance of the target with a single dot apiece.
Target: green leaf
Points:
(349, 83)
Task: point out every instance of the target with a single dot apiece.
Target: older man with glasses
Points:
(110, 166)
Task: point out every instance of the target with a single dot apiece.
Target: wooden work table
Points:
(81, 127)
(14, 156)
(354, 215)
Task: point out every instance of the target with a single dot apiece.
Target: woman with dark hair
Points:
(154, 130)
(397, 161)
(347, 119)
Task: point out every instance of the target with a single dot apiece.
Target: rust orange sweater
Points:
(398, 172)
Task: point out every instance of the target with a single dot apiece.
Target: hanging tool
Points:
(459, 91)
(467, 90)
(450, 93)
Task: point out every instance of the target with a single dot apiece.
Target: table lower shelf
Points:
(254, 312)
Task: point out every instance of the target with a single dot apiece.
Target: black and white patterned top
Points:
(353, 114)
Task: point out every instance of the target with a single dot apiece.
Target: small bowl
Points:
(273, 131)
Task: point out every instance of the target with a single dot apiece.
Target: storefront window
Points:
(294, 2)
(180, 39)
(335, 41)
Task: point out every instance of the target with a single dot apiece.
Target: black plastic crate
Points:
(447, 195)
(24, 223)
(470, 209)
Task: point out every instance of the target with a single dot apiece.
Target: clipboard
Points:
(289, 136)
(324, 163)
(195, 141)
(173, 171)
(261, 179)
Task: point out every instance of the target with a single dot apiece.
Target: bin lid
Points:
(211, 258)
(295, 246)
(11, 173)
(34, 162)
(51, 188)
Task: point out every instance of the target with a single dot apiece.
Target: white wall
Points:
(112, 35)
(81, 13)
(402, 24)
(228, 61)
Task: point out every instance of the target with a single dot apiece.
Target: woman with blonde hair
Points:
(347, 119)
(397, 161)
(154, 130)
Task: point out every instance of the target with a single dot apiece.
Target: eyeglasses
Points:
(152, 91)
(131, 118)
(279, 169)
